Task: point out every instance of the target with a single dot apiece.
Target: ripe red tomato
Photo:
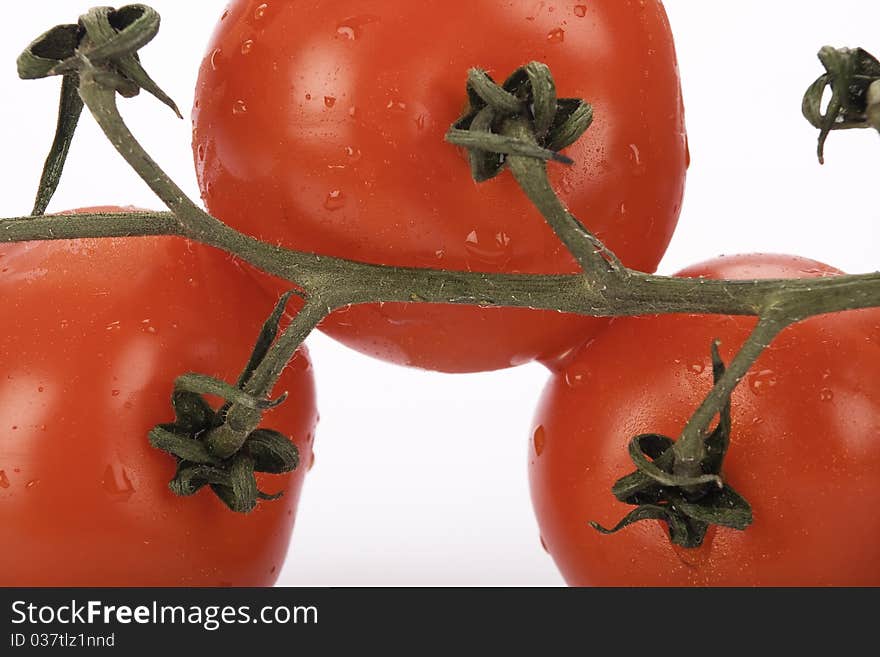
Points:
(803, 446)
(323, 130)
(92, 335)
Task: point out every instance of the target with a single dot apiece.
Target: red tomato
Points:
(92, 335)
(322, 129)
(803, 447)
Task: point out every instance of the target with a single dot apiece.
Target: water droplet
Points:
(114, 326)
(540, 440)
(200, 152)
(114, 393)
(15, 427)
(396, 105)
(544, 545)
(580, 11)
(574, 379)
(556, 36)
(420, 121)
(117, 483)
(826, 395)
(760, 382)
(311, 462)
(239, 107)
(215, 59)
(40, 389)
(260, 11)
(329, 101)
(32, 483)
(636, 154)
(224, 15)
(353, 153)
(4, 480)
(335, 200)
(247, 46)
(493, 250)
(698, 368)
(352, 28)
(308, 96)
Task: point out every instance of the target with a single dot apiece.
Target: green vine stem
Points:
(526, 124)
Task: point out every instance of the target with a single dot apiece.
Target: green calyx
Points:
(232, 478)
(529, 93)
(854, 78)
(689, 505)
(104, 44)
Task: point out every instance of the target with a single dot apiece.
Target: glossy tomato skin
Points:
(806, 421)
(92, 336)
(320, 126)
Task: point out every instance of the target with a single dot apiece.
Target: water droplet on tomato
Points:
(200, 152)
(540, 440)
(32, 483)
(698, 368)
(352, 28)
(574, 379)
(311, 462)
(580, 11)
(544, 545)
(260, 11)
(396, 105)
(224, 15)
(40, 389)
(239, 107)
(354, 154)
(335, 200)
(490, 250)
(761, 382)
(215, 59)
(117, 483)
(4, 480)
(826, 395)
(329, 101)
(247, 47)
(114, 393)
(556, 36)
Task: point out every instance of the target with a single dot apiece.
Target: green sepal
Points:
(530, 92)
(689, 506)
(191, 478)
(573, 118)
(48, 50)
(70, 107)
(105, 41)
(264, 450)
(167, 438)
(272, 452)
(850, 72)
(239, 492)
(267, 336)
(192, 413)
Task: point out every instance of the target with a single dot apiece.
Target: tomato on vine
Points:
(805, 423)
(93, 335)
(323, 130)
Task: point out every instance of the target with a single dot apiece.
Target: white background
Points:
(383, 506)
